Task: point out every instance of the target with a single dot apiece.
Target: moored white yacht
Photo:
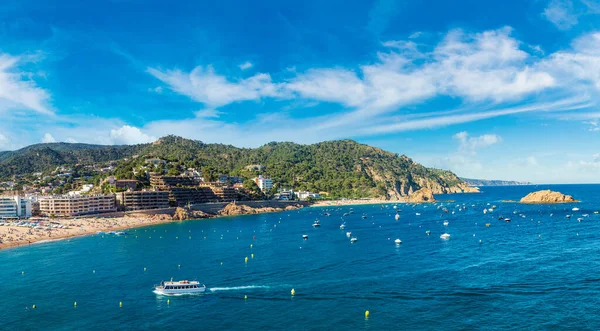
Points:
(179, 287)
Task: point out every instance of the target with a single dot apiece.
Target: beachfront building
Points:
(142, 200)
(12, 207)
(77, 205)
(285, 195)
(305, 195)
(265, 184)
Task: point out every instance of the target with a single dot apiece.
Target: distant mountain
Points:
(344, 168)
(486, 182)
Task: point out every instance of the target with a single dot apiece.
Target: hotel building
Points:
(77, 205)
(14, 207)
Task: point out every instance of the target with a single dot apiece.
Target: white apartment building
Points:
(265, 184)
(77, 205)
(14, 207)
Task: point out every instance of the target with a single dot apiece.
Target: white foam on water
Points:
(237, 288)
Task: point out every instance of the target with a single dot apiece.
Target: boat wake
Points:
(237, 288)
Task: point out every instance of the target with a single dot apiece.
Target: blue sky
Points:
(488, 89)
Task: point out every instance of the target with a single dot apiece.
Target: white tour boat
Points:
(180, 287)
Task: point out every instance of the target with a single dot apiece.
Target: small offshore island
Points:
(547, 197)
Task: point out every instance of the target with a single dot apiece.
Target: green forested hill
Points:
(343, 168)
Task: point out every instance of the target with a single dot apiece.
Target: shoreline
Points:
(354, 202)
(49, 230)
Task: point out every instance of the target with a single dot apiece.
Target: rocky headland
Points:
(422, 195)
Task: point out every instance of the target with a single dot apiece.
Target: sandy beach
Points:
(26, 232)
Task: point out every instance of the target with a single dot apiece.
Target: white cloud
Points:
(561, 13)
(48, 138)
(487, 66)
(470, 144)
(17, 91)
(208, 113)
(129, 135)
(246, 65)
(204, 85)
(580, 64)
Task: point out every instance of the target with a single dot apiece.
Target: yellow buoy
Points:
(168, 301)
(250, 245)
(293, 292)
(144, 268)
(246, 259)
(487, 224)
(34, 306)
(75, 304)
(22, 272)
(221, 263)
(120, 303)
(179, 266)
(252, 255)
(245, 297)
(367, 314)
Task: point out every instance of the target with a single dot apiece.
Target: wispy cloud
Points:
(18, 90)
(246, 65)
(565, 14)
(470, 145)
(561, 14)
(204, 85)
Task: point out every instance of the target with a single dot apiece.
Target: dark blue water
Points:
(535, 272)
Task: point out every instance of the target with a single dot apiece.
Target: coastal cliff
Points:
(547, 197)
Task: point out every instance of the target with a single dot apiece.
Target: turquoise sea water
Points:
(535, 272)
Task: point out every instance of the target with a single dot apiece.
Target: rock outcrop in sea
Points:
(422, 195)
(186, 214)
(233, 208)
(547, 196)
